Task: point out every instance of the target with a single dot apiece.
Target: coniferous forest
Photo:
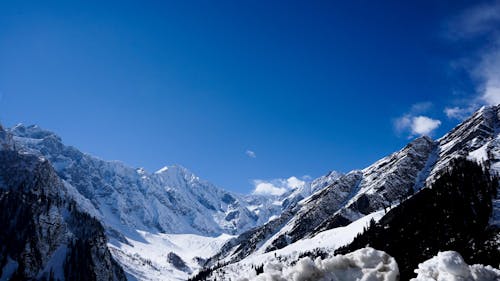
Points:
(452, 214)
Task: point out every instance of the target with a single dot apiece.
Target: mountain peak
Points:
(334, 173)
(422, 140)
(425, 138)
(482, 125)
(488, 113)
(32, 132)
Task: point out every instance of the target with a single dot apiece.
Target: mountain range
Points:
(78, 217)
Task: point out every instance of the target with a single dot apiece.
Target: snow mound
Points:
(451, 266)
(366, 264)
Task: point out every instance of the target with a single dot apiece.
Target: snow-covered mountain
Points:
(345, 200)
(44, 235)
(381, 185)
(477, 138)
(451, 213)
(170, 200)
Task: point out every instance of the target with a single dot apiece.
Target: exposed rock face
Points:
(177, 262)
(248, 242)
(359, 193)
(44, 234)
(479, 131)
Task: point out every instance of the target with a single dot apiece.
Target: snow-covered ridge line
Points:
(170, 200)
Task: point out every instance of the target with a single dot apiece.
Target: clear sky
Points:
(238, 91)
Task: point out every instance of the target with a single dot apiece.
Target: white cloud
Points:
(294, 182)
(460, 113)
(480, 22)
(423, 125)
(278, 186)
(402, 123)
(492, 95)
(267, 188)
(488, 71)
(475, 21)
(415, 124)
(455, 112)
(251, 154)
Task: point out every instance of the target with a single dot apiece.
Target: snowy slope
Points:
(325, 242)
(158, 256)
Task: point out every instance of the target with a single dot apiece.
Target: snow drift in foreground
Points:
(451, 266)
(368, 264)
(364, 264)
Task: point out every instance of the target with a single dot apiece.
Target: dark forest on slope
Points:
(452, 214)
(36, 221)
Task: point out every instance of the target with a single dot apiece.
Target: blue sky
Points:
(239, 91)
